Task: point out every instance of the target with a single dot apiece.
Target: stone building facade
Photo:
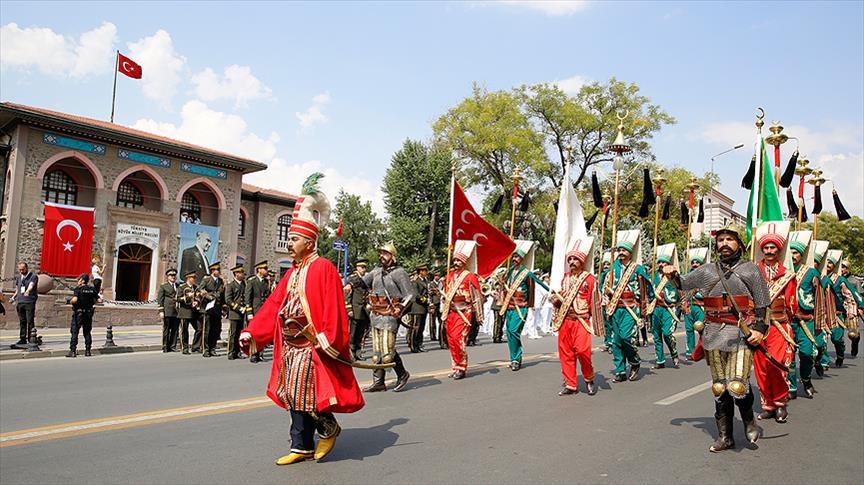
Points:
(140, 185)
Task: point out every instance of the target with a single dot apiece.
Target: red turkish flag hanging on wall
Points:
(67, 240)
(128, 66)
(493, 246)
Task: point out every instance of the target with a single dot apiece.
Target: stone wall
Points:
(53, 312)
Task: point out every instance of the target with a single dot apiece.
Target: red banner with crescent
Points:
(493, 246)
(67, 240)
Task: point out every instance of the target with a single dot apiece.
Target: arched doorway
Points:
(133, 272)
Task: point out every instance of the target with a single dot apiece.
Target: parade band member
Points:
(257, 292)
(213, 288)
(419, 308)
(773, 388)
(305, 319)
(664, 317)
(462, 300)
(434, 306)
(693, 308)
(83, 298)
(235, 300)
(629, 289)
(809, 298)
(846, 305)
(824, 313)
(391, 292)
(358, 315)
(166, 303)
(498, 293)
(736, 301)
(519, 297)
(577, 312)
(607, 322)
(852, 311)
(189, 312)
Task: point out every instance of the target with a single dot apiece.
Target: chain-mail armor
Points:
(398, 286)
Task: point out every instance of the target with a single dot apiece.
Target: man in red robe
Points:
(305, 320)
(577, 310)
(773, 388)
(461, 300)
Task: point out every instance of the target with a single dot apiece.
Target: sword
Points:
(360, 365)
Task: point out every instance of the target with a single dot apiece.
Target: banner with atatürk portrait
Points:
(199, 248)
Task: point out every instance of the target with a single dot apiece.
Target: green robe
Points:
(515, 319)
(624, 327)
(664, 321)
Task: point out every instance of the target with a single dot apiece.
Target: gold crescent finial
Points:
(622, 118)
(761, 114)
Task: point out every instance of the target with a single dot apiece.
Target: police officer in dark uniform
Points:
(419, 308)
(166, 302)
(358, 315)
(257, 291)
(189, 312)
(235, 299)
(213, 288)
(83, 299)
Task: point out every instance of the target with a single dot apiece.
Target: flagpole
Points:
(802, 171)
(761, 177)
(693, 186)
(516, 177)
(603, 229)
(659, 179)
(620, 147)
(114, 93)
(450, 241)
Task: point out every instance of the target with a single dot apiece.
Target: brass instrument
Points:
(192, 297)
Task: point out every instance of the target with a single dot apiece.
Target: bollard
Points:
(109, 338)
(33, 343)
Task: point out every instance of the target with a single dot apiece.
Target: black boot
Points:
(839, 362)
(808, 388)
(634, 373)
(87, 352)
(745, 408)
(377, 382)
(401, 382)
(820, 371)
(723, 414)
(855, 341)
(71, 353)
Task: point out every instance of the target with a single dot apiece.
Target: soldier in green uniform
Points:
(257, 291)
(845, 302)
(664, 317)
(853, 313)
(804, 321)
(518, 298)
(166, 303)
(693, 308)
(189, 312)
(235, 300)
(358, 315)
(419, 308)
(628, 288)
(213, 298)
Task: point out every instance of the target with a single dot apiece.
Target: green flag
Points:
(764, 202)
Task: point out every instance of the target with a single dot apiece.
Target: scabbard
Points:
(807, 332)
(785, 335)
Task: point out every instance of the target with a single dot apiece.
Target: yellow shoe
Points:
(293, 457)
(325, 445)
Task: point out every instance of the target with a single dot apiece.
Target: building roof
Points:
(253, 192)
(99, 129)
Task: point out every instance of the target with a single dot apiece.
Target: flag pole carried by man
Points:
(128, 67)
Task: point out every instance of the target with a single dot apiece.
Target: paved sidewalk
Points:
(55, 341)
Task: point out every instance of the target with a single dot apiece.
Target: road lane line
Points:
(155, 417)
(684, 394)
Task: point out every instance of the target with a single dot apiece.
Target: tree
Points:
(846, 235)
(417, 200)
(361, 228)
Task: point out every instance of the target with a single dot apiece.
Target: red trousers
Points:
(457, 338)
(574, 343)
(773, 388)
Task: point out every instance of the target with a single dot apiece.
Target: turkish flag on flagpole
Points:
(67, 240)
(493, 246)
(128, 67)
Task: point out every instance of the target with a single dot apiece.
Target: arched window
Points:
(283, 224)
(59, 188)
(129, 196)
(241, 225)
(190, 209)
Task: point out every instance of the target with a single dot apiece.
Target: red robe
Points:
(574, 341)
(773, 388)
(336, 389)
(458, 326)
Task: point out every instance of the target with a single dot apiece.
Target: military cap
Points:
(189, 274)
(261, 264)
(422, 267)
(237, 269)
(362, 262)
(271, 273)
(171, 272)
(215, 266)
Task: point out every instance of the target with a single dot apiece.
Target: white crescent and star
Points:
(128, 67)
(67, 246)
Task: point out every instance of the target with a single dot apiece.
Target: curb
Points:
(120, 349)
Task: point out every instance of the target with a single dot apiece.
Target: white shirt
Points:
(95, 272)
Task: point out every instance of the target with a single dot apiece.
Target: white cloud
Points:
(54, 54)
(237, 84)
(289, 177)
(160, 64)
(214, 129)
(572, 85)
(838, 151)
(313, 114)
(553, 8)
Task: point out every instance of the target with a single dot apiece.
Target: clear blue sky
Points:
(339, 86)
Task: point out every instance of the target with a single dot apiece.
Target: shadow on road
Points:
(360, 443)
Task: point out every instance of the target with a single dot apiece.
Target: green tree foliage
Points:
(846, 235)
(417, 199)
(361, 228)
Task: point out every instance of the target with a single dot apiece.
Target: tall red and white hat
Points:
(776, 232)
(311, 211)
(466, 251)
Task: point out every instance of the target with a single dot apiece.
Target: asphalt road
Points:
(154, 418)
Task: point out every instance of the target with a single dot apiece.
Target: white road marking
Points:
(684, 394)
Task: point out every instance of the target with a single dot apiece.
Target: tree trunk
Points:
(432, 223)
